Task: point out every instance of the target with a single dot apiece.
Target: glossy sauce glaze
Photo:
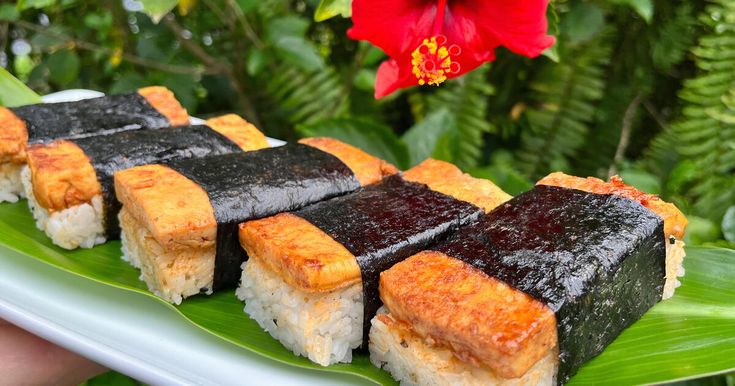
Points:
(248, 186)
(597, 261)
(385, 223)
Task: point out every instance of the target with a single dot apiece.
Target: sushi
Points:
(69, 183)
(311, 278)
(533, 290)
(179, 220)
(148, 108)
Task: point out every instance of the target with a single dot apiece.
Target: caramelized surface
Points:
(240, 131)
(483, 320)
(62, 175)
(13, 137)
(163, 100)
(367, 169)
(173, 208)
(309, 259)
(303, 255)
(446, 178)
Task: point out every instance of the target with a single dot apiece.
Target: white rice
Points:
(11, 187)
(171, 275)
(415, 361)
(674, 266)
(325, 327)
(71, 228)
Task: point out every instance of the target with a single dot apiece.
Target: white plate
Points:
(130, 332)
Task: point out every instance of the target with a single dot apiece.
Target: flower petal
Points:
(396, 26)
(518, 25)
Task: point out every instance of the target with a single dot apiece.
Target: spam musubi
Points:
(148, 108)
(69, 183)
(533, 290)
(179, 220)
(312, 274)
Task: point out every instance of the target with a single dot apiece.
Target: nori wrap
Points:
(597, 261)
(385, 223)
(252, 185)
(113, 153)
(46, 122)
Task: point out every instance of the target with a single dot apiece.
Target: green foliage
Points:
(643, 88)
(328, 9)
(564, 104)
(13, 92)
(704, 134)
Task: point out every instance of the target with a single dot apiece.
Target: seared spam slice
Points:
(483, 320)
(13, 137)
(188, 221)
(14, 134)
(674, 221)
(415, 360)
(307, 258)
(62, 175)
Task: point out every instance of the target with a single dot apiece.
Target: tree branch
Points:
(625, 132)
(222, 67)
(87, 46)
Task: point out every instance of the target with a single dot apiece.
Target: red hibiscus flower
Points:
(431, 41)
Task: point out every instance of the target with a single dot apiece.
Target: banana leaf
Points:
(689, 336)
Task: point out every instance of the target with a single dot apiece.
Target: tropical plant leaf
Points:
(14, 93)
(687, 336)
(157, 9)
(372, 137)
(328, 9)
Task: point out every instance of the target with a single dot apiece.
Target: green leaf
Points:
(643, 7)
(422, 139)
(328, 9)
(256, 61)
(369, 136)
(728, 224)
(8, 12)
(700, 231)
(248, 5)
(13, 92)
(582, 23)
(287, 26)
(299, 52)
(63, 66)
(26, 4)
(157, 9)
(642, 180)
(685, 337)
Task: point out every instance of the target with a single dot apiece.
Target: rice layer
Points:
(11, 187)
(171, 275)
(415, 361)
(325, 327)
(71, 228)
(674, 266)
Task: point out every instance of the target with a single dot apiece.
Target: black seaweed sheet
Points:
(112, 153)
(385, 223)
(598, 261)
(89, 117)
(262, 183)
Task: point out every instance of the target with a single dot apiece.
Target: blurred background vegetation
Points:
(640, 88)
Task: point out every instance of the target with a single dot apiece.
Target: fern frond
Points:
(467, 99)
(705, 132)
(296, 96)
(565, 97)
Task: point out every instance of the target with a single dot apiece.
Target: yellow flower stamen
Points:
(432, 61)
